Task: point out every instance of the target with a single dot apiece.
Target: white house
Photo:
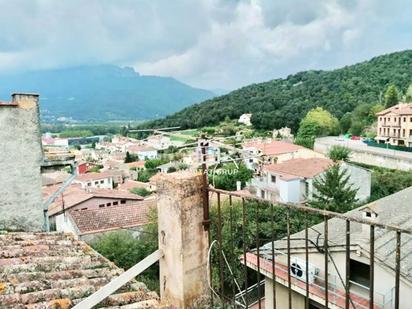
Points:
(245, 119)
(159, 142)
(292, 180)
(392, 210)
(144, 152)
(102, 180)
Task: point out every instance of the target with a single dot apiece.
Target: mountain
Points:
(284, 102)
(104, 92)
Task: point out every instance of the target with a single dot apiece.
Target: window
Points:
(109, 204)
(101, 181)
(359, 273)
(96, 182)
(123, 202)
(404, 119)
(115, 203)
(85, 208)
(89, 184)
(403, 132)
(368, 214)
(262, 194)
(250, 160)
(273, 178)
(101, 205)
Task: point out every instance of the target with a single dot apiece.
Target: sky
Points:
(212, 44)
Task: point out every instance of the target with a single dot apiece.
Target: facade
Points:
(393, 209)
(245, 119)
(84, 167)
(292, 180)
(395, 125)
(143, 152)
(102, 180)
(159, 142)
(21, 157)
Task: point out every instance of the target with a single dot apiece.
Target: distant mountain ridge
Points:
(285, 101)
(102, 92)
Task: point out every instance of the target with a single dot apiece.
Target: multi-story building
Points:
(395, 125)
(292, 181)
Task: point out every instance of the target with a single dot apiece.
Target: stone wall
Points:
(20, 159)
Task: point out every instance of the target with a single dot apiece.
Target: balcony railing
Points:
(246, 226)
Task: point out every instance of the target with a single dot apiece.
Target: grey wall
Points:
(20, 159)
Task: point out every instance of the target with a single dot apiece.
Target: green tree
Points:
(345, 122)
(128, 158)
(408, 96)
(391, 96)
(140, 191)
(125, 250)
(229, 174)
(333, 191)
(339, 153)
(318, 122)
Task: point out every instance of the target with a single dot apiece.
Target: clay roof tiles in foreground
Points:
(296, 168)
(91, 221)
(273, 147)
(54, 270)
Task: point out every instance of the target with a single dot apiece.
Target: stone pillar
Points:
(183, 241)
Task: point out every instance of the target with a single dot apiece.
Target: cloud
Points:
(207, 43)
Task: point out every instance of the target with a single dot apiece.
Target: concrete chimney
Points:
(238, 185)
(21, 156)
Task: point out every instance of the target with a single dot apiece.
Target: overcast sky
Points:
(206, 43)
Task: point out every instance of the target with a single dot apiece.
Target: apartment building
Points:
(395, 125)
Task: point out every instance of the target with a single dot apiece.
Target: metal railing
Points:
(242, 225)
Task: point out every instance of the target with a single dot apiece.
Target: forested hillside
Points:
(284, 102)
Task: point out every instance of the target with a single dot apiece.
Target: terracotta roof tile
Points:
(273, 147)
(112, 218)
(400, 109)
(54, 270)
(74, 195)
(294, 168)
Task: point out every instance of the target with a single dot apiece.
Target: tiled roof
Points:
(400, 109)
(273, 147)
(74, 195)
(112, 218)
(54, 270)
(294, 168)
(136, 164)
(130, 184)
(93, 176)
(139, 148)
(2, 103)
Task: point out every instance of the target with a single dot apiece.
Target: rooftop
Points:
(54, 270)
(112, 218)
(297, 168)
(74, 195)
(273, 147)
(93, 176)
(394, 210)
(400, 109)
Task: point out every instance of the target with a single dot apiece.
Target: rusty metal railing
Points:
(240, 235)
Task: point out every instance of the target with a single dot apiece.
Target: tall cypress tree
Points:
(391, 96)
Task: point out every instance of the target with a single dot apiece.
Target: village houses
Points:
(395, 125)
